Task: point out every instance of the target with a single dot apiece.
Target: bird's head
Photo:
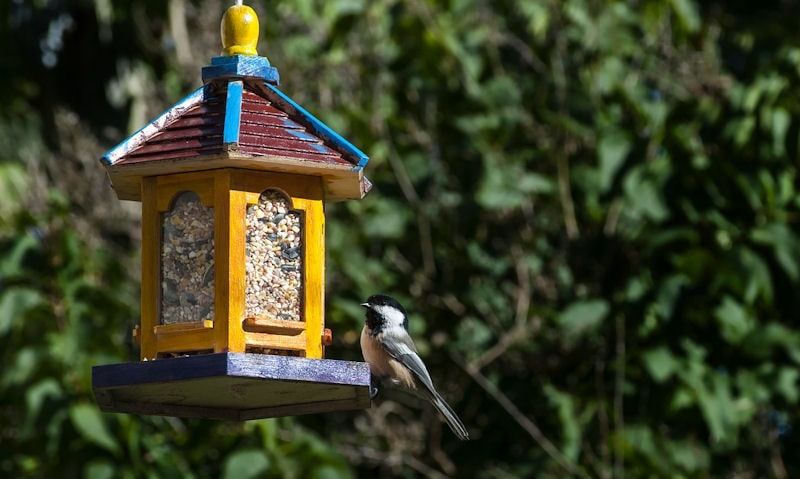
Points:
(383, 311)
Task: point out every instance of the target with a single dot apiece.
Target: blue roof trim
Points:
(233, 112)
(143, 134)
(322, 129)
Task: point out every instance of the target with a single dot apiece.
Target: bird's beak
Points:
(366, 305)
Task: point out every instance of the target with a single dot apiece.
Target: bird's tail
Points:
(449, 416)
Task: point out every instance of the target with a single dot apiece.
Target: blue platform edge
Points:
(232, 386)
(240, 365)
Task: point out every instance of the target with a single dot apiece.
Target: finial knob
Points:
(239, 31)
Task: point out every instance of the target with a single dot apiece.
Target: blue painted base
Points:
(240, 66)
(237, 386)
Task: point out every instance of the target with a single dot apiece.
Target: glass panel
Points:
(274, 260)
(187, 261)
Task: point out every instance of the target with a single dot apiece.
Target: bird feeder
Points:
(232, 181)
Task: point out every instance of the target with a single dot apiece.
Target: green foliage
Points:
(66, 307)
(590, 208)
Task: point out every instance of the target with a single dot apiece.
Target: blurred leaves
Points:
(87, 420)
(583, 317)
(594, 204)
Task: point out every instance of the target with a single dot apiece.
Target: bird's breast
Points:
(381, 364)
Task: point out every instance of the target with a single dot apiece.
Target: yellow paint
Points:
(151, 268)
(239, 31)
(186, 341)
(314, 274)
(179, 328)
(277, 341)
(230, 229)
(305, 193)
(183, 337)
(274, 326)
(229, 191)
(202, 184)
(341, 181)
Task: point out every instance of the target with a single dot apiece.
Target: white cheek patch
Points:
(394, 317)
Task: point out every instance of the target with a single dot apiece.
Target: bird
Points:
(393, 359)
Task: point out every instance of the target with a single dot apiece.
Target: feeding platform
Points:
(236, 386)
(233, 181)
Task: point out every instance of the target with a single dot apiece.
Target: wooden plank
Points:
(179, 328)
(233, 112)
(273, 326)
(266, 119)
(205, 412)
(222, 239)
(200, 119)
(151, 264)
(358, 402)
(256, 147)
(232, 386)
(246, 66)
(256, 104)
(294, 185)
(255, 128)
(282, 133)
(202, 184)
(341, 181)
(159, 370)
(183, 138)
(191, 340)
(236, 241)
(314, 275)
(163, 159)
(168, 409)
(246, 365)
(276, 341)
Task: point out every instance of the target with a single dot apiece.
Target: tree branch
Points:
(529, 426)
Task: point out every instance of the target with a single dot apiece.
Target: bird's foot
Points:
(373, 388)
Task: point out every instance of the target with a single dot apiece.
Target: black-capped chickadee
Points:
(393, 358)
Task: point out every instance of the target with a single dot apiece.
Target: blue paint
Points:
(321, 129)
(232, 386)
(241, 66)
(301, 134)
(144, 133)
(233, 113)
(242, 365)
(312, 140)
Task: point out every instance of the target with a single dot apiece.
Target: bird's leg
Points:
(373, 387)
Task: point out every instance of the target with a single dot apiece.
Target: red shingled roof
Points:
(264, 130)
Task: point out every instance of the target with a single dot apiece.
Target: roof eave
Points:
(340, 182)
(141, 136)
(297, 112)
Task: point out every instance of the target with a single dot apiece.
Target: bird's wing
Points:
(401, 348)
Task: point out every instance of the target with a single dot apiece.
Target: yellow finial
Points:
(239, 30)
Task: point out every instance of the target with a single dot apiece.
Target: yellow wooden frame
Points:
(229, 191)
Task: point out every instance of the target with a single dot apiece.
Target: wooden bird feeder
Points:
(232, 181)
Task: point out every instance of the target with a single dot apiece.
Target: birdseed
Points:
(274, 259)
(187, 261)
